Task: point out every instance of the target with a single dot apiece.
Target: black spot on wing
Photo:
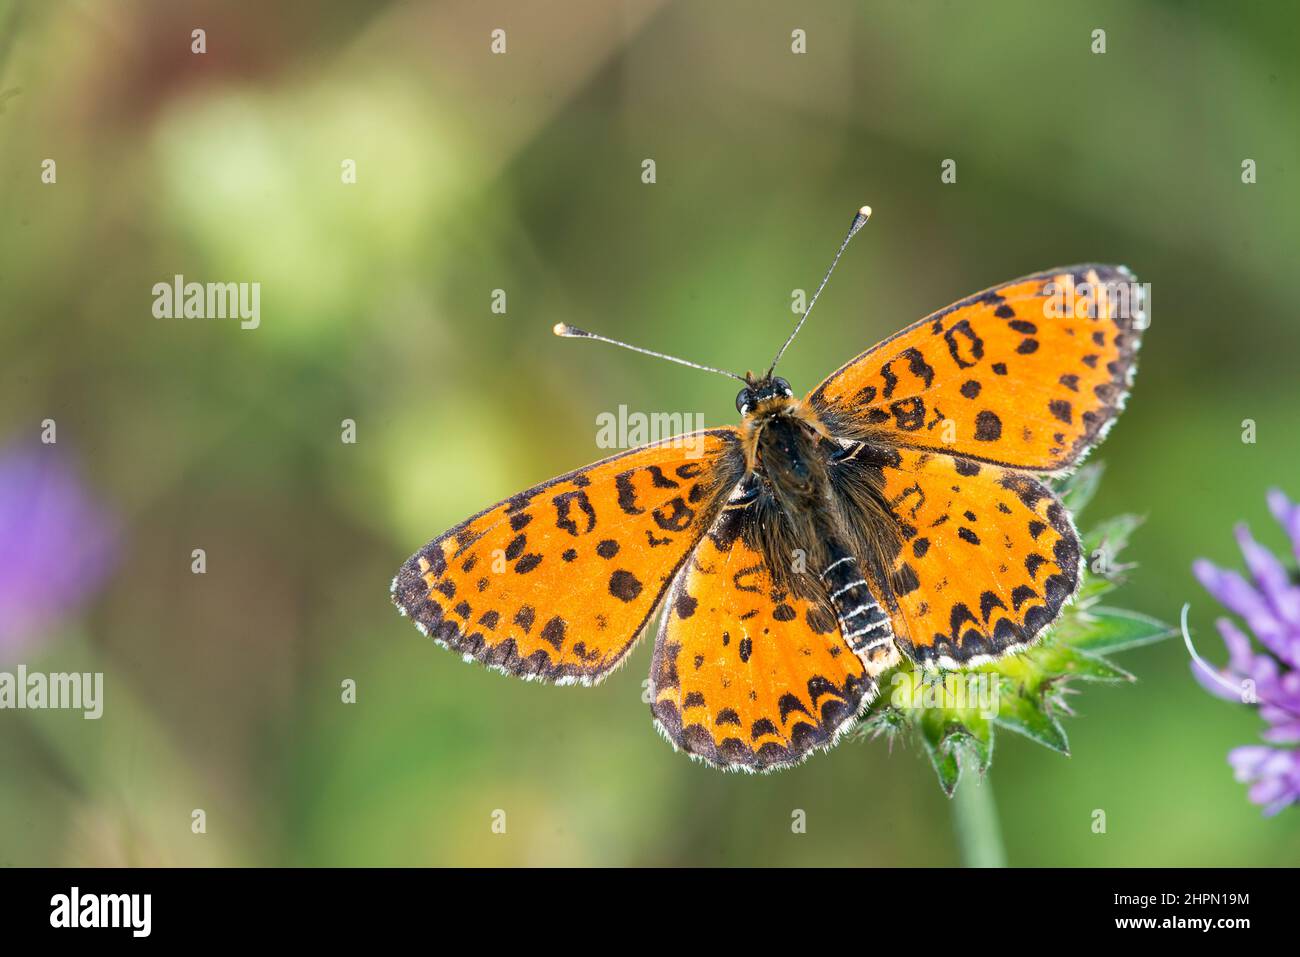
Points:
(624, 586)
(988, 427)
(904, 580)
(964, 346)
(685, 605)
(553, 632)
(572, 508)
(783, 612)
(1033, 562)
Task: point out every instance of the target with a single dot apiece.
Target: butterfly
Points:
(897, 510)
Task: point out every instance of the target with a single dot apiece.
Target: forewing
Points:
(1028, 374)
(557, 582)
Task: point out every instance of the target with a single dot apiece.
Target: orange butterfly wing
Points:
(1028, 374)
(745, 676)
(557, 582)
(988, 558)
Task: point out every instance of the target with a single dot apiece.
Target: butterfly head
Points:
(763, 394)
(779, 433)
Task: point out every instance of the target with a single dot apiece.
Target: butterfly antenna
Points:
(859, 220)
(570, 332)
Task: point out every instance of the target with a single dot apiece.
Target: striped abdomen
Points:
(863, 623)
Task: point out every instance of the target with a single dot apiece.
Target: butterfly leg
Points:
(863, 623)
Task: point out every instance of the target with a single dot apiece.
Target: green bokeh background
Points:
(523, 172)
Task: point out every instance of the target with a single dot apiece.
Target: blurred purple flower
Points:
(56, 545)
(1269, 602)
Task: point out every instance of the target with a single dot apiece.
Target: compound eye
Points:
(742, 401)
(783, 386)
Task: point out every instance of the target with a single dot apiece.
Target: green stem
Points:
(975, 819)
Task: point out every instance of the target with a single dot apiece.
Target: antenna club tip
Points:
(562, 329)
(859, 220)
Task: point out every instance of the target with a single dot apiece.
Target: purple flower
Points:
(55, 544)
(1269, 602)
